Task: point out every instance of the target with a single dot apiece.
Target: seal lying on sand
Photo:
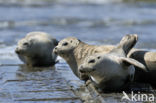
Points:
(148, 58)
(75, 51)
(36, 49)
(112, 70)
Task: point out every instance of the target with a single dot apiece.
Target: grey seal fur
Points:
(112, 70)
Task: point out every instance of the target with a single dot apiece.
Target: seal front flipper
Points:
(130, 61)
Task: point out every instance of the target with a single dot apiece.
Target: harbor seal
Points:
(75, 51)
(35, 49)
(148, 58)
(112, 70)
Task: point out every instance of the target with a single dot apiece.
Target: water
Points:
(100, 21)
(92, 21)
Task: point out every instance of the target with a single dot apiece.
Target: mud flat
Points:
(139, 89)
(22, 84)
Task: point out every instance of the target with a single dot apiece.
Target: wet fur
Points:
(38, 52)
(82, 50)
(111, 70)
(148, 58)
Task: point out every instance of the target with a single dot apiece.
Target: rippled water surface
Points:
(93, 21)
(101, 21)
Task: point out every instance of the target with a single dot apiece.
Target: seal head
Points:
(66, 46)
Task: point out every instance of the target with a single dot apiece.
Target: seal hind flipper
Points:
(126, 44)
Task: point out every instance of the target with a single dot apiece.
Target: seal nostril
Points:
(17, 51)
(55, 50)
(81, 71)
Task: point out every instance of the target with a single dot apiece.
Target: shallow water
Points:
(93, 21)
(103, 22)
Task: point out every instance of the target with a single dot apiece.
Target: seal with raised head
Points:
(75, 51)
(36, 49)
(113, 70)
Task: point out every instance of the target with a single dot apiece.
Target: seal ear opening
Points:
(130, 61)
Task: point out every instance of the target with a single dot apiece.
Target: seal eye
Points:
(65, 44)
(98, 57)
(91, 61)
(25, 44)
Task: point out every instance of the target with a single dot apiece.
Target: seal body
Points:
(106, 71)
(36, 49)
(112, 70)
(148, 58)
(75, 51)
